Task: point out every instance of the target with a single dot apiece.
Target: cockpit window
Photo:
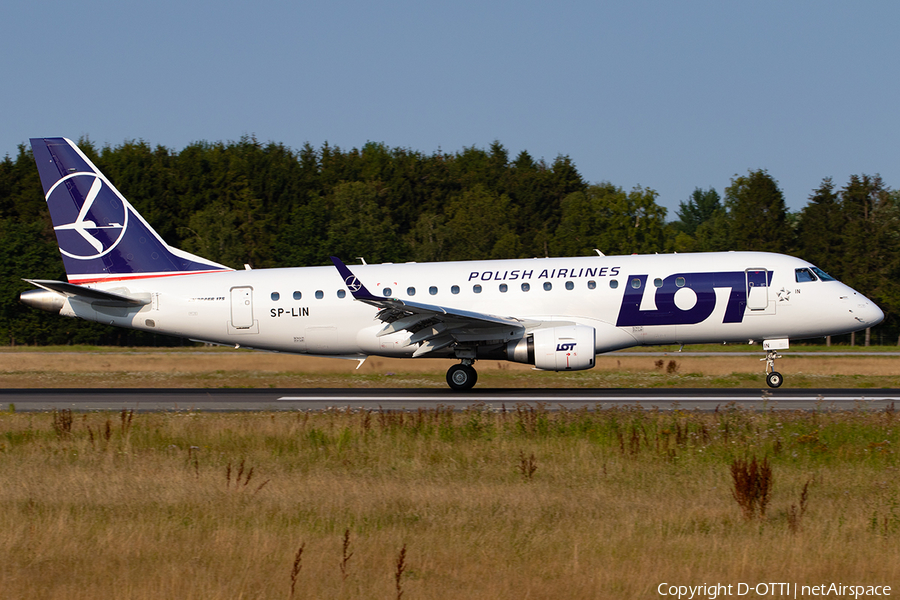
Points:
(823, 275)
(803, 275)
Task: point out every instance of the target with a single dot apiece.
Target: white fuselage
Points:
(628, 300)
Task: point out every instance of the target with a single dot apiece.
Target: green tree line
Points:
(268, 205)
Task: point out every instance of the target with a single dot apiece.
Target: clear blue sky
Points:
(667, 95)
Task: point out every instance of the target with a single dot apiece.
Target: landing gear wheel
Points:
(773, 377)
(461, 377)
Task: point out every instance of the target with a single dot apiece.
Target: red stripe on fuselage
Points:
(142, 276)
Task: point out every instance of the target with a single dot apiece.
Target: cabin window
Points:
(433, 290)
(657, 282)
(526, 287)
(319, 294)
(410, 291)
(387, 292)
(635, 283)
(570, 285)
(453, 290)
(548, 286)
(275, 296)
(476, 288)
(297, 295)
(503, 288)
(679, 282)
(613, 283)
(804, 275)
(592, 284)
(342, 293)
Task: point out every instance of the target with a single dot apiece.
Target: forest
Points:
(267, 205)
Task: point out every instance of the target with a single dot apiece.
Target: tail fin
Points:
(100, 235)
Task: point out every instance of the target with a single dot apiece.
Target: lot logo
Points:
(565, 347)
(353, 284)
(687, 298)
(93, 217)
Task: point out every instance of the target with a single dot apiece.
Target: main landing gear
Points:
(773, 377)
(463, 376)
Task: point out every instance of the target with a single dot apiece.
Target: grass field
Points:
(522, 503)
(221, 367)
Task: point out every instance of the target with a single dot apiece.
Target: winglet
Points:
(353, 284)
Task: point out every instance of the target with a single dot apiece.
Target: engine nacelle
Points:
(569, 348)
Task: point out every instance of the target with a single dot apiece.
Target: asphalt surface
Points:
(413, 399)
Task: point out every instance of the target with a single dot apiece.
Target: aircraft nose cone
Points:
(867, 312)
(873, 314)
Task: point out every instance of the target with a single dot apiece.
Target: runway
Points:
(412, 399)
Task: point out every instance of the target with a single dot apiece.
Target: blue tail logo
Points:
(98, 226)
(101, 236)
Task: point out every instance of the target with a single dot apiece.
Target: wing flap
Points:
(433, 344)
(403, 323)
(428, 333)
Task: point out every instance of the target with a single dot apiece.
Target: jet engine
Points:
(569, 348)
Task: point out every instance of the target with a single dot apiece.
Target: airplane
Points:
(556, 314)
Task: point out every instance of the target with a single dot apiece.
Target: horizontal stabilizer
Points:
(86, 294)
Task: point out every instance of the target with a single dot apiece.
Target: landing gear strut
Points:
(462, 377)
(773, 377)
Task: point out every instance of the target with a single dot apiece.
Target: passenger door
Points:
(757, 290)
(242, 307)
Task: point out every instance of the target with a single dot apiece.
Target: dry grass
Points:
(230, 368)
(752, 481)
(436, 505)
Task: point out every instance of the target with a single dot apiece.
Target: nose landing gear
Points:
(774, 379)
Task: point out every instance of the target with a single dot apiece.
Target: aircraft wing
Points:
(431, 325)
(87, 294)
